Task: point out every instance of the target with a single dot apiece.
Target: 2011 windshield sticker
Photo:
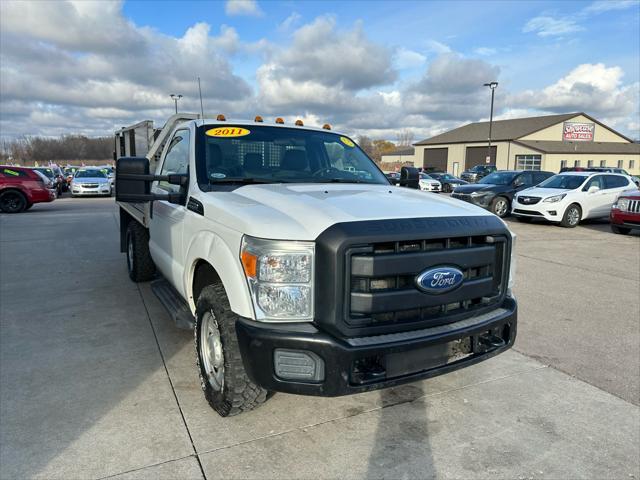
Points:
(227, 132)
(347, 142)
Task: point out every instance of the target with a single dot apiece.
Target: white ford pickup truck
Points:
(300, 267)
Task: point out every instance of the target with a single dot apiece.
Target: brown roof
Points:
(581, 147)
(504, 130)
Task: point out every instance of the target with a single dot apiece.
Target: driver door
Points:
(167, 219)
(595, 202)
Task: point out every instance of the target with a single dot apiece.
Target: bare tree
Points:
(405, 138)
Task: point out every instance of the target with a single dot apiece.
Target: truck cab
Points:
(301, 268)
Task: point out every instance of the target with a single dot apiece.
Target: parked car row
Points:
(22, 187)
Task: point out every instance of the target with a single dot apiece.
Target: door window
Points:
(524, 179)
(615, 181)
(177, 159)
(597, 181)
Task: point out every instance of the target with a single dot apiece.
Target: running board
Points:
(173, 302)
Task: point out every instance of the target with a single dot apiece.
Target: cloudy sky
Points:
(373, 68)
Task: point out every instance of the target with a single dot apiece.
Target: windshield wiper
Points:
(214, 181)
(340, 180)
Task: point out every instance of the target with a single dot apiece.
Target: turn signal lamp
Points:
(221, 118)
(250, 263)
(299, 123)
(280, 120)
(258, 119)
(326, 126)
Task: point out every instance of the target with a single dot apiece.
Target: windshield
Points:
(566, 182)
(424, 176)
(498, 178)
(280, 155)
(445, 176)
(90, 174)
(47, 171)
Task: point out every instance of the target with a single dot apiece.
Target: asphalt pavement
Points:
(96, 382)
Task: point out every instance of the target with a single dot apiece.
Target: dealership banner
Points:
(578, 132)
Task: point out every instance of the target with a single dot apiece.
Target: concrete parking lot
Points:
(96, 382)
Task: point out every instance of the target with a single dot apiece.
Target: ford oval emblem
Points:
(439, 280)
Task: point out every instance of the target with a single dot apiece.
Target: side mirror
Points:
(593, 189)
(133, 182)
(409, 177)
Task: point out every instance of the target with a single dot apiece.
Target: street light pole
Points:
(175, 99)
(492, 86)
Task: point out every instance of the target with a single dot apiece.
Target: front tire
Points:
(223, 379)
(446, 188)
(571, 217)
(139, 262)
(500, 206)
(620, 230)
(12, 201)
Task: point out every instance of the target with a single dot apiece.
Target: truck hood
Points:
(303, 211)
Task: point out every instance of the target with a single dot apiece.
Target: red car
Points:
(21, 187)
(625, 213)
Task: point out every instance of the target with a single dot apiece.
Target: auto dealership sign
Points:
(578, 132)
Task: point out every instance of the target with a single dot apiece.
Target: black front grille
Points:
(366, 272)
(382, 279)
(528, 200)
(526, 212)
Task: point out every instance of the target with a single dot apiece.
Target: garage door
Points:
(476, 156)
(435, 159)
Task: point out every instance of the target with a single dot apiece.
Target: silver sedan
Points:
(90, 181)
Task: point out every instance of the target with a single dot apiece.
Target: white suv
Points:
(568, 198)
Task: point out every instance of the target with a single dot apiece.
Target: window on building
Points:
(620, 163)
(576, 163)
(589, 163)
(528, 162)
(603, 163)
(563, 164)
(632, 164)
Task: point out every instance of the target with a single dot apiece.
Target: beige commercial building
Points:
(546, 143)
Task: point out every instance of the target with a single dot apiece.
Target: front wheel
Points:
(223, 378)
(620, 230)
(571, 217)
(500, 206)
(12, 201)
(446, 188)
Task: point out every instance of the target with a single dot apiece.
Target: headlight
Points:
(512, 264)
(622, 204)
(280, 278)
(555, 198)
(479, 194)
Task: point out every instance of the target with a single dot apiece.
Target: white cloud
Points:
(485, 51)
(438, 47)
(290, 22)
(243, 7)
(593, 88)
(546, 26)
(405, 58)
(608, 5)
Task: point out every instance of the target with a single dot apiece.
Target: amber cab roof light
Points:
(279, 120)
(299, 123)
(221, 118)
(258, 119)
(326, 126)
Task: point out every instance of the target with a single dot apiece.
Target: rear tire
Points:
(620, 230)
(12, 201)
(572, 216)
(500, 206)
(223, 379)
(139, 262)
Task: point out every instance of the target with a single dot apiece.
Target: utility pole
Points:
(175, 99)
(492, 86)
